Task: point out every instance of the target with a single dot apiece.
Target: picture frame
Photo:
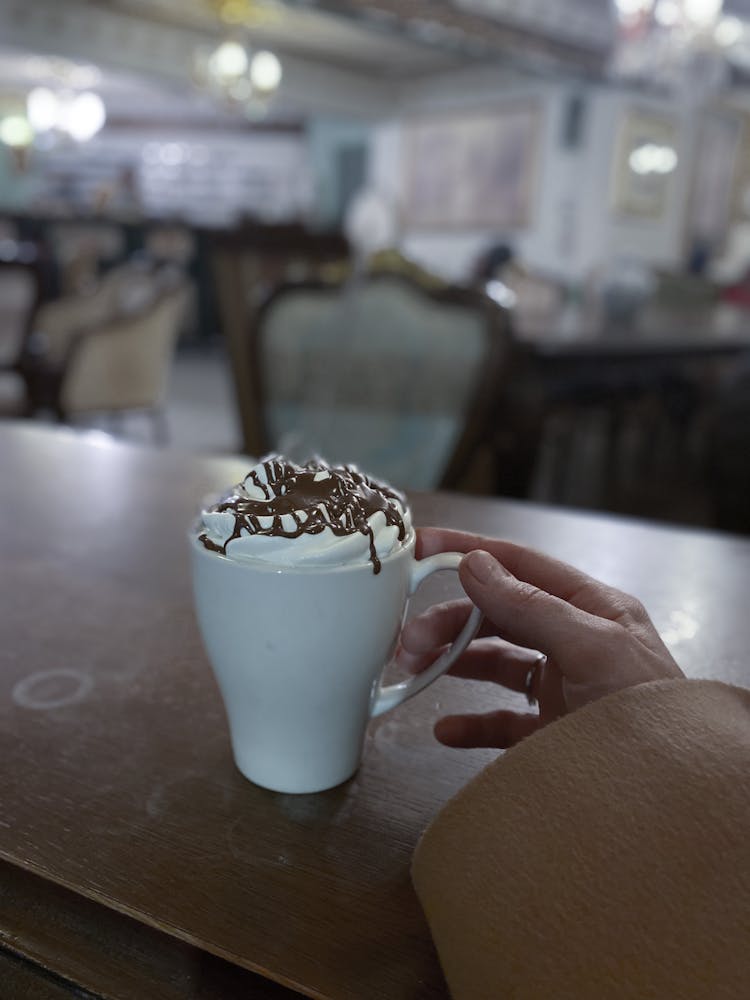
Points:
(642, 195)
(472, 169)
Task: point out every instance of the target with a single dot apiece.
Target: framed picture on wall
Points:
(644, 163)
(472, 169)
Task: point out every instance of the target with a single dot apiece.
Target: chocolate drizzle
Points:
(343, 500)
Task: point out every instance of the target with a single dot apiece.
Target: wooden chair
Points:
(398, 378)
(125, 365)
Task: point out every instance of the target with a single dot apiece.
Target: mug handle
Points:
(392, 695)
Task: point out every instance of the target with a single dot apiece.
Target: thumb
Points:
(528, 616)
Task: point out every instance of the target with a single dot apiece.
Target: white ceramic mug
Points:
(299, 653)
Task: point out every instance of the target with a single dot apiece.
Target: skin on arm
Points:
(596, 639)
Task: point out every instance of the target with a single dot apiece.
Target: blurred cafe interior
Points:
(495, 253)
(492, 246)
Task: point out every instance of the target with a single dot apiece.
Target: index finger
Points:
(549, 574)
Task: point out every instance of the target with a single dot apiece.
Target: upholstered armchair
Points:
(125, 289)
(124, 365)
(108, 350)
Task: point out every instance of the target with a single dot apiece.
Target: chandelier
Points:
(687, 47)
(233, 71)
(64, 108)
(66, 113)
(15, 130)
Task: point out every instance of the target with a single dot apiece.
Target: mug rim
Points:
(264, 565)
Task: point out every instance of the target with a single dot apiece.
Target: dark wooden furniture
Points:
(135, 861)
(661, 343)
(659, 374)
(728, 459)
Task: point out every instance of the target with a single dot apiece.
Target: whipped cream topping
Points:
(307, 515)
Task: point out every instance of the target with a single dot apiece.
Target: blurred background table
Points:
(656, 324)
(134, 859)
(641, 416)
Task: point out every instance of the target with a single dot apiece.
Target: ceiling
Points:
(407, 38)
(311, 33)
(121, 91)
(346, 56)
(343, 56)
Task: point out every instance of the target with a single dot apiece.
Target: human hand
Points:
(595, 639)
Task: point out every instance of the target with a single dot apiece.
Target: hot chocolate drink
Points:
(301, 575)
(313, 514)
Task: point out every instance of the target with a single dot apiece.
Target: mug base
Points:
(296, 786)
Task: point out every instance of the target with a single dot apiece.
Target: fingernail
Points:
(482, 566)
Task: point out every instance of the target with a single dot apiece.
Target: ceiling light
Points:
(702, 13)
(680, 45)
(729, 31)
(667, 13)
(265, 72)
(229, 61)
(85, 116)
(43, 109)
(78, 115)
(16, 132)
(234, 72)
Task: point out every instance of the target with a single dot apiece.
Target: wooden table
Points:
(675, 360)
(135, 861)
(659, 327)
(661, 347)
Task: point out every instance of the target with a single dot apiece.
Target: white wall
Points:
(573, 229)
